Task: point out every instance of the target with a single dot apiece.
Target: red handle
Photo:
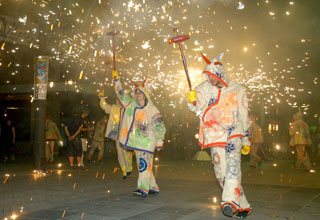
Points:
(178, 39)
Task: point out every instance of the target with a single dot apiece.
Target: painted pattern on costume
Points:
(142, 165)
(232, 169)
(230, 147)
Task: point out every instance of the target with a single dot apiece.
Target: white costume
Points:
(224, 128)
(113, 127)
(143, 131)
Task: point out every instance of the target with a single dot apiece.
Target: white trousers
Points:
(227, 168)
(124, 159)
(146, 180)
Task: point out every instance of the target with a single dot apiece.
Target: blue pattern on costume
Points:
(246, 133)
(219, 75)
(212, 101)
(230, 129)
(142, 165)
(232, 169)
(230, 147)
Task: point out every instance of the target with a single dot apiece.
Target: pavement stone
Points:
(189, 191)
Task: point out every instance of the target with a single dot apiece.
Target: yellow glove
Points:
(192, 96)
(245, 149)
(101, 93)
(115, 74)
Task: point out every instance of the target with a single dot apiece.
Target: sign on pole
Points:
(41, 77)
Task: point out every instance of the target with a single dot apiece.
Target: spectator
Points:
(73, 127)
(98, 140)
(84, 132)
(52, 134)
(300, 138)
(256, 140)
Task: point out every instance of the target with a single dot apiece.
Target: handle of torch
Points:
(114, 53)
(186, 69)
(104, 77)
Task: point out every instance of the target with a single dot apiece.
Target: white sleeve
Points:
(243, 115)
(105, 105)
(201, 102)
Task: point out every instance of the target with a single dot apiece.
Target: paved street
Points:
(188, 190)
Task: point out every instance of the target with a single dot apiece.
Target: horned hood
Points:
(145, 89)
(215, 68)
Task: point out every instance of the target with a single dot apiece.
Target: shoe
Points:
(72, 167)
(153, 192)
(243, 214)
(100, 162)
(88, 161)
(252, 166)
(129, 173)
(124, 177)
(139, 193)
(228, 210)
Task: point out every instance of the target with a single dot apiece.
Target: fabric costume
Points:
(52, 134)
(300, 138)
(113, 127)
(143, 131)
(223, 116)
(256, 141)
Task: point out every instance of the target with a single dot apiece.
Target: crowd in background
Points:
(180, 142)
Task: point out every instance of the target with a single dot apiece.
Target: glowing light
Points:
(214, 199)
(14, 216)
(145, 45)
(245, 49)
(241, 6)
